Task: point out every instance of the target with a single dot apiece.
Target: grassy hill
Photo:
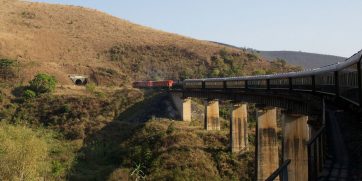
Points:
(62, 40)
(303, 59)
(109, 131)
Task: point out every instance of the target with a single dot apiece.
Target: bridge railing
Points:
(316, 153)
(282, 172)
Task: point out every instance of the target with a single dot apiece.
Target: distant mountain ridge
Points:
(303, 59)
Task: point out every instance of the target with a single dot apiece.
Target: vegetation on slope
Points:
(177, 151)
(106, 141)
(102, 132)
(67, 119)
(32, 154)
(161, 149)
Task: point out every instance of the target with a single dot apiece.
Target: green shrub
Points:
(4, 63)
(7, 68)
(29, 94)
(43, 83)
(91, 87)
(58, 168)
(23, 154)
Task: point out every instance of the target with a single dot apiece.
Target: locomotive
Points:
(153, 84)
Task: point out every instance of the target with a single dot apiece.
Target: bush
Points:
(7, 68)
(91, 87)
(58, 168)
(23, 155)
(43, 83)
(29, 94)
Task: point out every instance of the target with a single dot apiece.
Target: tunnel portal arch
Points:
(79, 79)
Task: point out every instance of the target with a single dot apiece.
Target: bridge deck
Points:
(344, 161)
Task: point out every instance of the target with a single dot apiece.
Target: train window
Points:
(348, 83)
(325, 82)
(302, 83)
(257, 84)
(196, 84)
(214, 84)
(235, 84)
(282, 83)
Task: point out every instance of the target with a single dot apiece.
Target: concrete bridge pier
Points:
(296, 135)
(183, 106)
(267, 144)
(212, 121)
(239, 127)
(186, 109)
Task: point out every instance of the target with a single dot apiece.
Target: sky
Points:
(319, 26)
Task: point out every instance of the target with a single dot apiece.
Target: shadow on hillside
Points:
(102, 152)
(157, 106)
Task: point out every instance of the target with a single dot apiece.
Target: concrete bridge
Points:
(302, 98)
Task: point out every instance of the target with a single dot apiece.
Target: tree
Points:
(186, 73)
(219, 68)
(43, 83)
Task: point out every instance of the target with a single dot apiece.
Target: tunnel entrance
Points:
(79, 79)
(79, 82)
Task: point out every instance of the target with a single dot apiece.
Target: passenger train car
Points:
(342, 79)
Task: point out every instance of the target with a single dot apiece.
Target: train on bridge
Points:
(342, 79)
(154, 84)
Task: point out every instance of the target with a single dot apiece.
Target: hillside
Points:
(62, 40)
(107, 130)
(303, 59)
(110, 138)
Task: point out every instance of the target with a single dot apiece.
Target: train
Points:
(154, 84)
(341, 79)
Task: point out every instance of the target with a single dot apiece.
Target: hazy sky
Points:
(319, 26)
